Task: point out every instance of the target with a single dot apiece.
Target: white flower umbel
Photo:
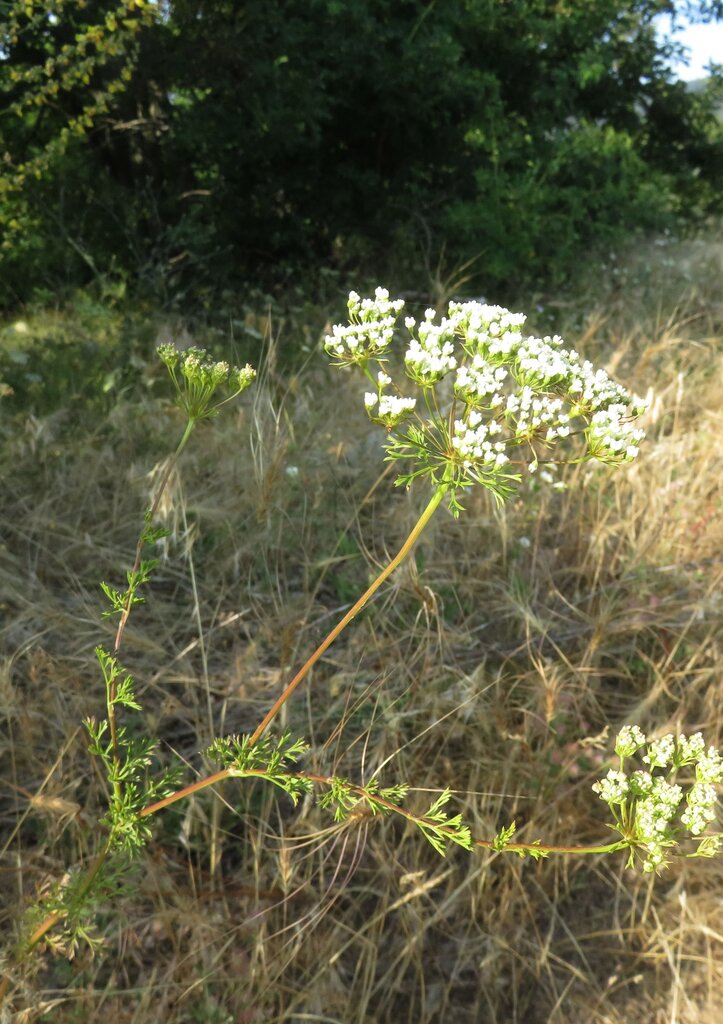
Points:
(369, 332)
(610, 435)
(513, 402)
(430, 356)
(613, 789)
(393, 409)
(709, 767)
(630, 739)
(646, 805)
(480, 384)
(701, 807)
(660, 752)
(471, 441)
(690, 750)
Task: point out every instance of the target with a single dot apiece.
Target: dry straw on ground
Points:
(498, 662)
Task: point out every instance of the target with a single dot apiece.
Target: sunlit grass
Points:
(498, 662)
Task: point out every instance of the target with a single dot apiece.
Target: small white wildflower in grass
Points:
(689, 749)
(430, 356)
(641, 783)
(393, 409)
(655, 811)
(611, 435)
(646, 805)
(701, 807)
(369, 332)
(480, 384)
(709, 767)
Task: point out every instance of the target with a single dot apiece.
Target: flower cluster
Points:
(389, 410)
(197, 378)
(471, 441)
(369, 332)
(646, 807)
(431, 354)
(512, 398)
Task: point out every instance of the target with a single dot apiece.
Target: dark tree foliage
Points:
(190, 145)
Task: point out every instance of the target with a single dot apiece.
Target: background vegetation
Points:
(186, 149)
(219, 173)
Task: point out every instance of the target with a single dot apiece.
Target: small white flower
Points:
(393, 409)
(701, 808)
(690, 749)
(641, 783)
(630, 739)
(660, 752)
(430, 356)
(655, 811)
(613, 789)
(369, 332)
(709, 767)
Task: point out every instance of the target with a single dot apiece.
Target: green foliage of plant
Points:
(269, 759)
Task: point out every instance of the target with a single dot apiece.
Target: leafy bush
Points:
(339, 133)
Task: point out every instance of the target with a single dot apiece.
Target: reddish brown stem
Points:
(354, 610)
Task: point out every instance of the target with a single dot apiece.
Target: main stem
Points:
(354, 610)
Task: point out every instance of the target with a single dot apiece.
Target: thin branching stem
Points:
(538, 849)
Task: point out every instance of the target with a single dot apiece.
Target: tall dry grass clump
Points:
(498, 662)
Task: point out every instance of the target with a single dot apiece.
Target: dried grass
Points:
(497, 662)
